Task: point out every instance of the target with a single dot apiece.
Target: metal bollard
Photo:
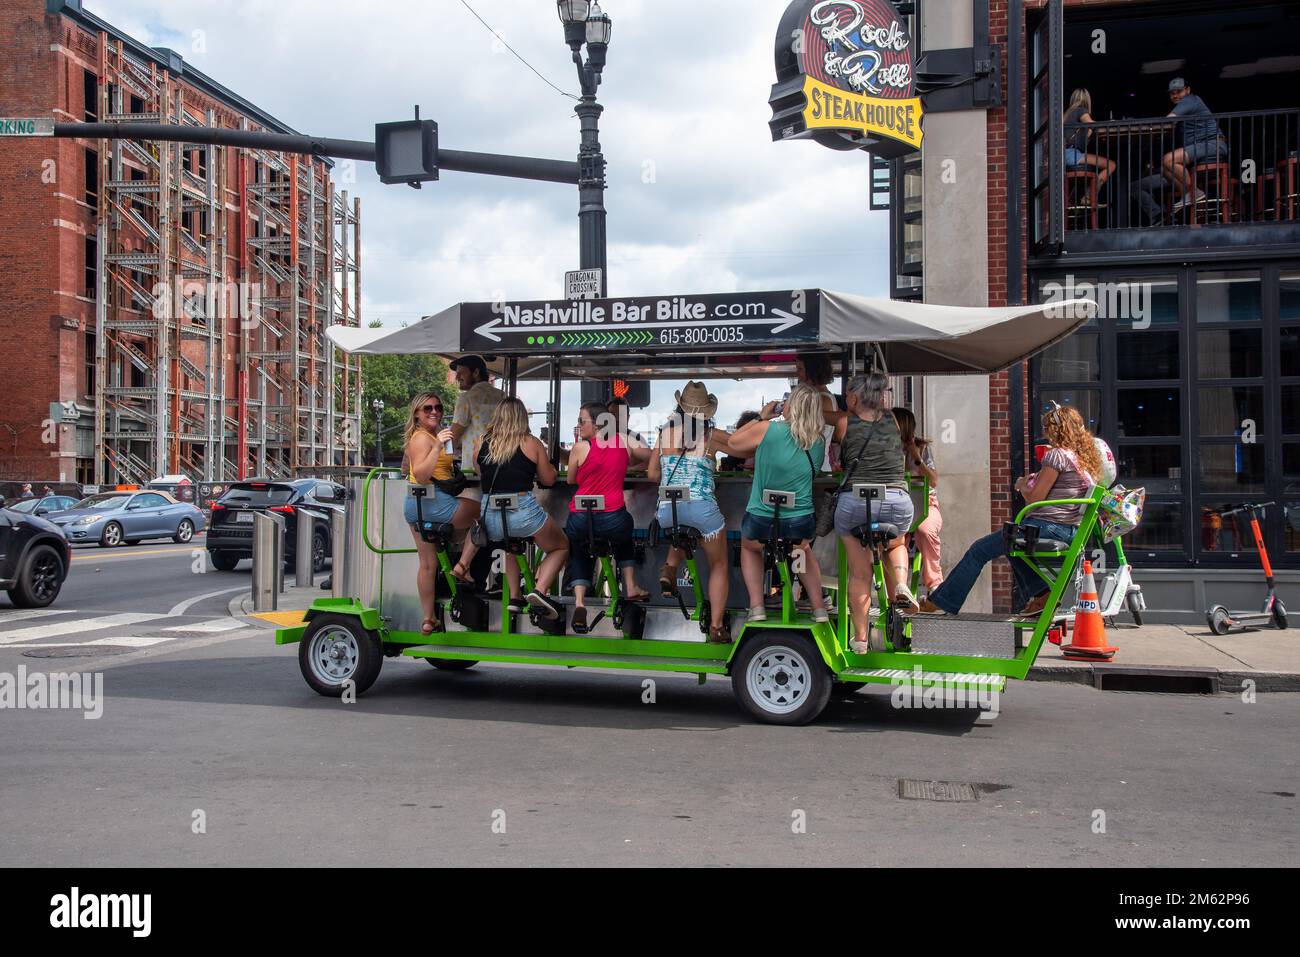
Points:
(338, 539)
(302, 572)
(266, 594)
(279, 551)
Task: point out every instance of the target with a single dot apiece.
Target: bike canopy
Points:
(730, 333)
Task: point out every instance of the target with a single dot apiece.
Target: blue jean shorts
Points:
(702, 515)
(437, 508)
(1074, 157)
(1206, 151)
(894, 509)
(758, 528)
(524, 522)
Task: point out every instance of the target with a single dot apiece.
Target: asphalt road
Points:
(580, 771)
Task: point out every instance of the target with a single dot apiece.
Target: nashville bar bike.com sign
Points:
(845, 77)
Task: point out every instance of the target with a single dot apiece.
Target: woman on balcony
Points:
(1076, 140)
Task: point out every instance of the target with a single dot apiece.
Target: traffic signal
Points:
(407, 152)
(636, 393)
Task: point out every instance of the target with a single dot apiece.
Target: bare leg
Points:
(811, 576)
(467, 513)
(859, 585)
(579, 596)
(551, 540)
(751, 567)
(715, 550)
(426, 577)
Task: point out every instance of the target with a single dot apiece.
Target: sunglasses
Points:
(432, 408)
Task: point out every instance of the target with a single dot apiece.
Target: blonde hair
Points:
(1064, 429)
(803, 412)
(1080, 97)
(506, 431)
(413, 424)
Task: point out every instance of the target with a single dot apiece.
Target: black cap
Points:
(471, 362)
(1176, 84)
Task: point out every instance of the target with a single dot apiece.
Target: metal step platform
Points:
(570, 659)
(970, 681)
(968, 636)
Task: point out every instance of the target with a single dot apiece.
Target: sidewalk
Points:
(1268, 657)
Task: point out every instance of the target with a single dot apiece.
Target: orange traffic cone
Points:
(1089, 629)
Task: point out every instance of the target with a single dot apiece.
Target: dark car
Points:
(34, 558)
(230, 533)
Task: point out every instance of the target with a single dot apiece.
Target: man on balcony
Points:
(1203, 141)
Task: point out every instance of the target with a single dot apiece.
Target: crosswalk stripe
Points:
(129, 641)
(209, 627)
(77, 625)
(21, 615)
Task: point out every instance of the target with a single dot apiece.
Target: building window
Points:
(92, 267)
(89, 365)
(1193, 377)
(92, 177)
(90, 96)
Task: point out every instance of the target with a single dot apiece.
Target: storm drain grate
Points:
(911, 789)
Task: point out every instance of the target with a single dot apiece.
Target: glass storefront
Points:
(1193, 377)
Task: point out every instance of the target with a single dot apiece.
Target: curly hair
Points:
(1063, 426)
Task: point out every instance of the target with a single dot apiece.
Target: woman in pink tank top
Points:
(598, 465)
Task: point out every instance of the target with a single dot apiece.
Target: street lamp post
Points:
(378, 406)
(585, 23)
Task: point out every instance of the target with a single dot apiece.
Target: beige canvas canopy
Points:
(912, 338)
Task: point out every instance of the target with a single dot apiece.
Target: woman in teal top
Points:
(787, 456)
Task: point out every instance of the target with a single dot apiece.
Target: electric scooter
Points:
(1219, 618)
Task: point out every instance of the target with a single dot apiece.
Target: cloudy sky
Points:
(699, 199)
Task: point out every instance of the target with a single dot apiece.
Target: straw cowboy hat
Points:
(697, 401)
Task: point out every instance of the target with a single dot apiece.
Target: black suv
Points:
(230, 533)
(34, 558)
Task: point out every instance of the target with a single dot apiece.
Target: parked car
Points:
(44, 505)
(34, 558)
(230, 538)
(117, 518)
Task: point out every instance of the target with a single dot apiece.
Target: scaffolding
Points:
(218, 271)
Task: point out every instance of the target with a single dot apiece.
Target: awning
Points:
(914, 338)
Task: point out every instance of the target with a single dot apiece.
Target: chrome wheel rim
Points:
(778, 679)
(334, 654)
(185, 531)
(113, 535)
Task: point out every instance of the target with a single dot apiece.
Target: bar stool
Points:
(1082, 203)
(1216, 181)
(1285, 180)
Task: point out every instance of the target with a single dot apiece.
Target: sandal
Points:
(461, 574)
(719, 635)
(430, 626)
(643, 596)
(668, 581)
(579, 622)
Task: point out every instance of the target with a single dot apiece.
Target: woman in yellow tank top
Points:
(428, 461)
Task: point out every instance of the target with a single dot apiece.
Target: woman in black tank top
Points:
(510, 460)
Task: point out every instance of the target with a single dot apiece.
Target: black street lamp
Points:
(585, 23)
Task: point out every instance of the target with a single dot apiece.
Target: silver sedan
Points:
(117, 518)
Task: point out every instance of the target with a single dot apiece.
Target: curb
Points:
(1158, 677)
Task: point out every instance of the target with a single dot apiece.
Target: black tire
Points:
(335, 649)
(111, 536)
(1136, 612)
(319, 551)
(184, 532)
(1279, 615)
(1217, 619)
(451, 664)
(39, 580)
(223, 561)
(791, 683)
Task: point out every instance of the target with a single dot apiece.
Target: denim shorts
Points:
(1074, 157)
(702, 515)
(438, 508)
(1213, 150)
(894, 509)
(758, 528)
(523, 522)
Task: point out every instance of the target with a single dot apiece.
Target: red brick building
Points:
(163, 303)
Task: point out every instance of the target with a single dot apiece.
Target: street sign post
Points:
(583, 283)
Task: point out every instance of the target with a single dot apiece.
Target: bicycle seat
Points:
(876, 532)
(437, 533)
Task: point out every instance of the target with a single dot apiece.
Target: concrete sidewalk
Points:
(1151, 654)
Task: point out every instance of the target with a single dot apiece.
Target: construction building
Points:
(163, 305)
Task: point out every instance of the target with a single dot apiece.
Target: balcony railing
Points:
(1249, 174)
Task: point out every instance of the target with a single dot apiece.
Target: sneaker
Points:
(928, 607)
(903, 599)
(758, 613)
(821, 616)
(544, 606)
(1196, 197)
(859, 647)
